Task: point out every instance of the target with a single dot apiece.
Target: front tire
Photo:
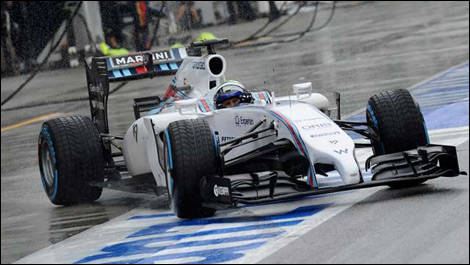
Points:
(70, 157)
(398, 125)
(190, 154)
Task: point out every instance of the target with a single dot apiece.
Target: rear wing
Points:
(139, 65)
(104, 70)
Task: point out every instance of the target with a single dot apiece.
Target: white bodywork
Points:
(299, 118)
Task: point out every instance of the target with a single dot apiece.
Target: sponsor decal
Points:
(324, 134)
(333, 142)
(222, 191)
(96, 88)
(226, 138)
(317, 126)
(139, 58)
(242, 121)
(97, 105)
(199, 65)
(309, 119)
(341, 151)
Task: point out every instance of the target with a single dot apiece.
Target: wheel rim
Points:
(48, 167)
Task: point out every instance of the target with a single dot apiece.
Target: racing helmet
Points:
(229, 93)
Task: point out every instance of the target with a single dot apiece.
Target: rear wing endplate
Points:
(104, 70)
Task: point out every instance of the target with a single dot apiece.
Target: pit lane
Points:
(365, 223)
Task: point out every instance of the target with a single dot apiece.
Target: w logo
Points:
(341, 151)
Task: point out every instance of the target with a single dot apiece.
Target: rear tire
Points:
(70, 157)
(395, 118)
(190, 154)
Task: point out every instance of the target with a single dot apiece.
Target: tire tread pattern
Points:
(79, 156)
(400, 122)
(400, 125)
(193, 156)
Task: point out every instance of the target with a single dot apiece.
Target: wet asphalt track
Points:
(366, 48)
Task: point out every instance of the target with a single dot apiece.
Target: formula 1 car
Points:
(206, 156)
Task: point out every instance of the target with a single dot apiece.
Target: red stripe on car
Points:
(206, 106)
(141, 69)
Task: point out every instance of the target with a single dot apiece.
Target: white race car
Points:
(210, 143)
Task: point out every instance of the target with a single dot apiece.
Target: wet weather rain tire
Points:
(70, 157)
(191, 154)
(396, 120)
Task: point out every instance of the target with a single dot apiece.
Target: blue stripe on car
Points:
(109, 63)
(117, 73)
(126, 72)
(267, 96)
(201, 107)
(296, 135)
(176, 53)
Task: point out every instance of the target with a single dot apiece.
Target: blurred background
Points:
(346, 46)
(62, 34)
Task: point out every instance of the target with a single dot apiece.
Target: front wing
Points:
(423, 163)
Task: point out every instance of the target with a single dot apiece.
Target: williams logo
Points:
(341, 151)
(242, 121)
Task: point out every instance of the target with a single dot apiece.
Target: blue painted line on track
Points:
(163, 228)
(135, 248)
(450, 116)
(165, 232)
(217, 255)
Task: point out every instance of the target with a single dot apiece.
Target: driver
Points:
(230, 94)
